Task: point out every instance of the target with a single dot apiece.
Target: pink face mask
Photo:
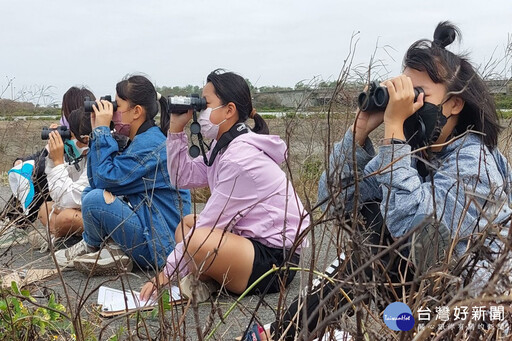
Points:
(120, 127)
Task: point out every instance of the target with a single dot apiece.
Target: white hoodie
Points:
(66, 183)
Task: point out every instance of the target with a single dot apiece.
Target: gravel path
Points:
(81, 289)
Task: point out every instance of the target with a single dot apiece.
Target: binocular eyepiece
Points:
(181, 104)
(88, 104)
(377, 97)
(63, 131)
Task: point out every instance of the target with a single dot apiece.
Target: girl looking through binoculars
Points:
(253, 216)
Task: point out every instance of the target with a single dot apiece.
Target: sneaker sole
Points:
(203, 290)
(97, 268)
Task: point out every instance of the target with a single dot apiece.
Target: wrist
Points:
(394, 131)
(392, 140)
(359, 136)
(175, 127)
(101, 123)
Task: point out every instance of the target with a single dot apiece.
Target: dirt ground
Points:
(20, 138)
(307, 150)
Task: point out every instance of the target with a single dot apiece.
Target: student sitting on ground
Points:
(67, 179)
(131, 206)
(72, 99)
(454, 192)
(253, 216)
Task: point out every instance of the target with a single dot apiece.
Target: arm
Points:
(118, 173)
(228, 199)
(339, 187)
(184, 172)
(149, 288)
(463, 187)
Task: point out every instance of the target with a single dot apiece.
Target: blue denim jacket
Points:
(471, 185)
(139, 174)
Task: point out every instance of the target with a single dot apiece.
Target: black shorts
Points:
(264, 259)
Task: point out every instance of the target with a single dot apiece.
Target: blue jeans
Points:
(118, 221)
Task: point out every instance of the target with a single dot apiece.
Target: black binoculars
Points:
(377, 97)
(181, 104)
(88, 104)
(63, 131)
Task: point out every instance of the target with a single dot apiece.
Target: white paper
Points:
(339, 335)
(117, 300)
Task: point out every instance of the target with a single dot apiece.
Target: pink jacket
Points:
(250, 194)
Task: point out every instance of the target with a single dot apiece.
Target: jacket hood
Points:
(272, 145)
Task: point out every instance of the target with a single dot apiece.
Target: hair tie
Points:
(158, 96)
(253, 113)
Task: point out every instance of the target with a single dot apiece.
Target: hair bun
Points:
(445, 34)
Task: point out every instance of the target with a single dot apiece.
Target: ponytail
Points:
(165, 117)
(260, 126)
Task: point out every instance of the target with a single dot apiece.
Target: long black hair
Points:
(80, 123)
(138, 90)
(74, 98)
(460, 78)
(230, 87)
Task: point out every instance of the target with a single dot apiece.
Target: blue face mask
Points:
(72, 150)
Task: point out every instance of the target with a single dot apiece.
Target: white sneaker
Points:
(65, 257)
(202, 289)
(110, 260)
(38, 239)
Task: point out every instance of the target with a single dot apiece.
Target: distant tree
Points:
(273, 88)
(266, 102)
(179, 90)
(252, 88)
(301, 86)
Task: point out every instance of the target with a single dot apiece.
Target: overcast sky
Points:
(96, 43)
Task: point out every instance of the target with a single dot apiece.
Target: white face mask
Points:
(78, 150)
(208, 129)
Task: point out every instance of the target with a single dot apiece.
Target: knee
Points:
(43, 210)
(184, 227)
(92, 198)
(200, 243)
(189, 220)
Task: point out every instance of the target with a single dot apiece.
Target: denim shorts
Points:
(264, 259)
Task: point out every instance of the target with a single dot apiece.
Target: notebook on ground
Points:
(115, 302)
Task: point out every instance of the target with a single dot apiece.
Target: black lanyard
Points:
(226, 138)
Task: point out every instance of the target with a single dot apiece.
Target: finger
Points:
(106, 105)
(96, 108)
(419, 102)
(408, 86)
(391, 88)
(57, 137)
(144, 295)
(52, 136)
(399, 84)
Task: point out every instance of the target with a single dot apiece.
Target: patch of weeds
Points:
(22, 318)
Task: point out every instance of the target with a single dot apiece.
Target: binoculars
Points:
(181, 104)
(63, 131)
(88, 104)
(377, 97)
